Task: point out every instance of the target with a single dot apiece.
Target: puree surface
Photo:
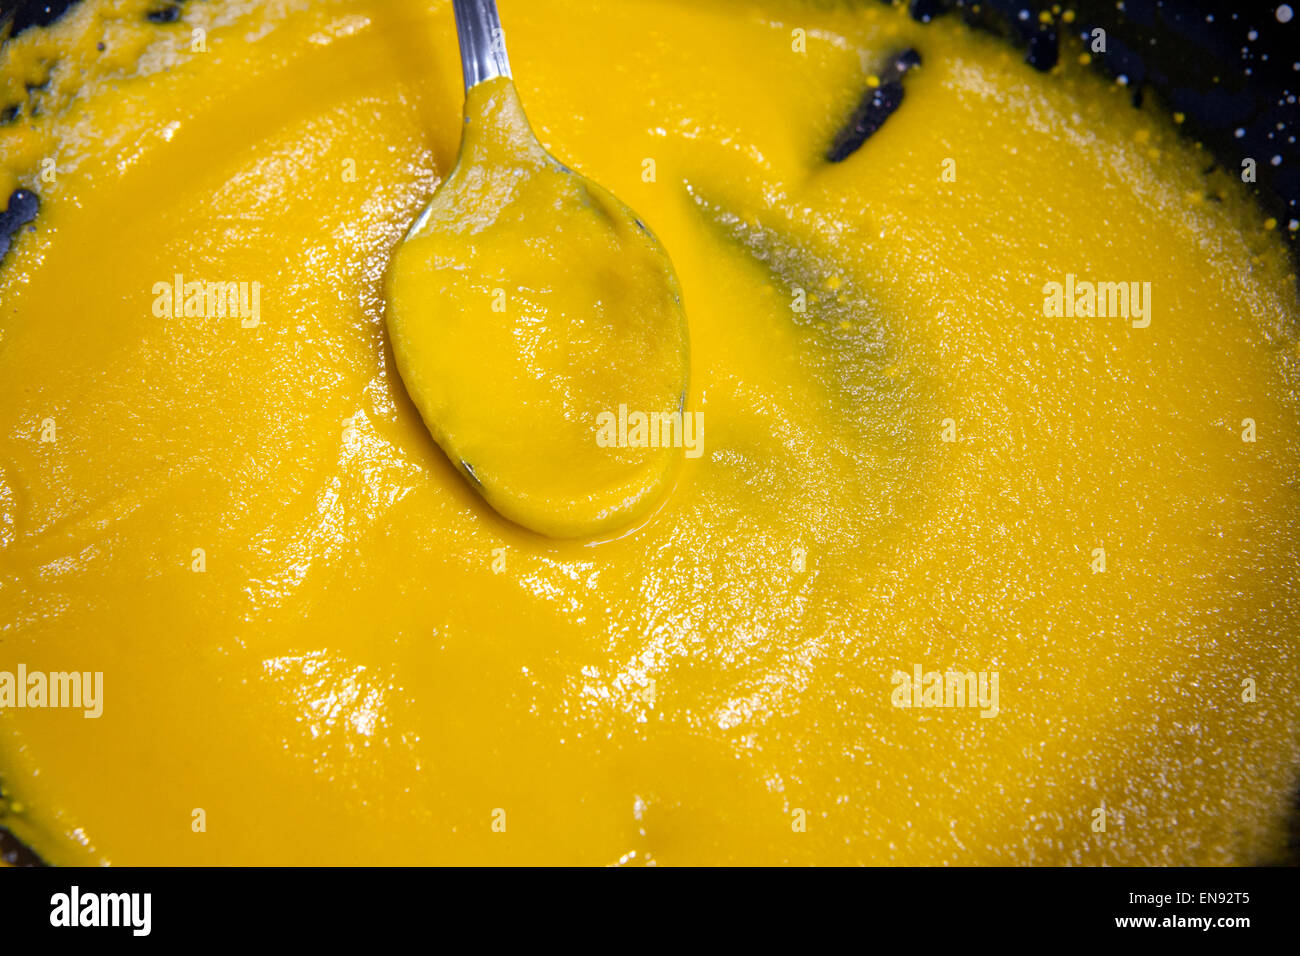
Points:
(314, 632)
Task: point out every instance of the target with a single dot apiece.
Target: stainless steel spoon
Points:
(528, 308)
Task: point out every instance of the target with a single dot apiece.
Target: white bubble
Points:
(1284, 14)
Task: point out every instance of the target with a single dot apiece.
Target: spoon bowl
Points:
(528, 309)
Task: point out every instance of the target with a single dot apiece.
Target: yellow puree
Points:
(527, 303)
(365, 662)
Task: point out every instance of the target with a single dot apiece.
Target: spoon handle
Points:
(482, 44)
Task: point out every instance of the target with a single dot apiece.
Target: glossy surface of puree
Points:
(313, 630)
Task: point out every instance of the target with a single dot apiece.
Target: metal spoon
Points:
(528, 307)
